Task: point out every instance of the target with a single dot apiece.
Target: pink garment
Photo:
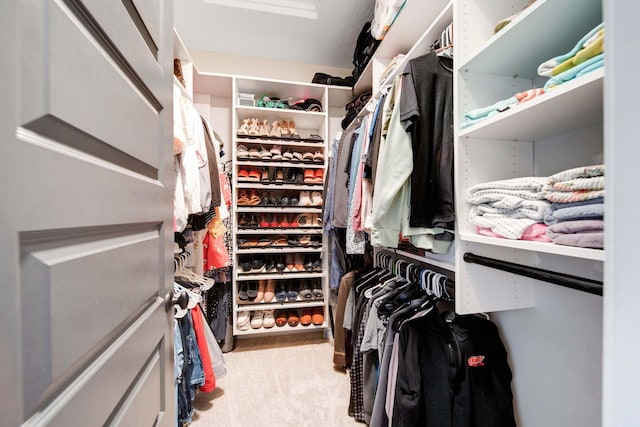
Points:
(536, 232)
(528, 94)
(356, 209)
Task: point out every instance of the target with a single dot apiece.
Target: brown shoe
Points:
(292, 318)
(281, 317)
(305, 319)
(317, 316)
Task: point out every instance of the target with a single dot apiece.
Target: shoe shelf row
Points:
(298, 141)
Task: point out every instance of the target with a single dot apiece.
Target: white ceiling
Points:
(329, 40)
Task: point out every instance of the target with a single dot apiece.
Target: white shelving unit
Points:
(555, 131)
(543, 326)
(417, 26)
(306, 123)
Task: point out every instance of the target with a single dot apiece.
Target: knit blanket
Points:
(594, 211)
(582, 233)
(535, 232)
(579, 172)
(572, 196)
(546, 68)
(526, 188)
(593, 183)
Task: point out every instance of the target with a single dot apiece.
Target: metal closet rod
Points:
(565, 280)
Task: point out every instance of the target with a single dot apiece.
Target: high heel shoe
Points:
(264, 128)
(284, 129)
(244, 128)
(292, 129)
(276, 130)
(254, 130)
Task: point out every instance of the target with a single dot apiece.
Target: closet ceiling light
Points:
(300, 8)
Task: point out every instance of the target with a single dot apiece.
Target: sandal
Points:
(318, 157)
(243, 199)
(304, 240)
(307, 157)
(276, 152)
(287, 155)
(318, 177)
(264, 242)
(309, 176)
(297, 157)
(242, 152)
(313, 137)
(280, 240)
(316, 220)
(265, 155)
(254, 154)
(254, 199)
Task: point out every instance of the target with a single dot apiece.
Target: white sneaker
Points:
(269, 320)
(316, 198)
(257, 319)
(243, 320)
(305, 199)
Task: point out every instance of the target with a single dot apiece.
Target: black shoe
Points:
(317, 290)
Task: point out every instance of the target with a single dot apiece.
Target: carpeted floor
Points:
(283, 381)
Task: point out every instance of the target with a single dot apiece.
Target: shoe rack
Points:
(280, 279)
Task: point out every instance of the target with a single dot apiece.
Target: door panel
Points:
(105, 390)
(86, 236)
(86, 89)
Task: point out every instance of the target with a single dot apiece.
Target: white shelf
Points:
(570, 106)
(529, 33)
(303, 119)
(267, 276)
(275, 231)
(280, 88)
(281, 329)
(259, 186)
(549, 248)
(284, 210)
(339, 96)
(283, 142)
(275, 305)
(300, 165)
(402, 36)
(270, 250)
(216, 85)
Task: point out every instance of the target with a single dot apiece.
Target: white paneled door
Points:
(86, 224)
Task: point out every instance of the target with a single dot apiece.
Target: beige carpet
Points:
(283, 381)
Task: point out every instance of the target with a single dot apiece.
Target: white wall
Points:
(222, 63)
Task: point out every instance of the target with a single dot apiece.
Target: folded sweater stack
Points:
(576, 215)
(512, 208)
(586, 56)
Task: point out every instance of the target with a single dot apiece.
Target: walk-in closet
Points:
(316, 212)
